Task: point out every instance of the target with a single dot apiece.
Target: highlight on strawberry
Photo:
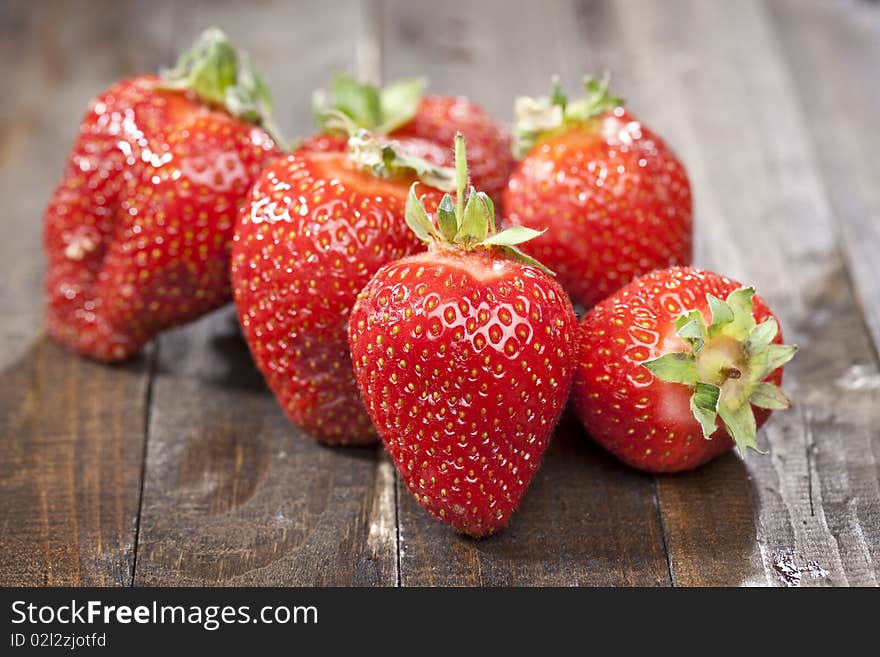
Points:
(137, 234)
(617, 199)
(464, 357)
(318, 225)
(677, 367)
(403, 110)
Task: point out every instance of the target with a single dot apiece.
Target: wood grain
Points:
(772, 104)
(234, 494)
(831, 53)
(587, 520)
(763, 217)
(72, 430)
(563, 533)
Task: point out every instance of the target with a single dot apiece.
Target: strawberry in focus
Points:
(463, 355)
(616, 198)
(137, 234)
(428, 123)
(317, 227)
(677, 367)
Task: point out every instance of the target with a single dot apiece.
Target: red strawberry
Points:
(317, 227)
(463, 355)
(616, 197)
(138, 232)
(402, 112)
(662, 390)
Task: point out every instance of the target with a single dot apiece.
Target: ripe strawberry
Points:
(616, 197)
(463, 355)
(402, 111)
(662, 390)
(137, 234)
(317, 227)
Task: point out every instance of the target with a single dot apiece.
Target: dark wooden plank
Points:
(586, 520)
(763, 216)
(234, 494)
(832, 51)
(71, 431)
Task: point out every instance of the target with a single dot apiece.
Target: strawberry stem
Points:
(469, 221)
(385, 160)
(378, 110)
(461, 174)
(534, 118)
(214, 71)
(726, 364)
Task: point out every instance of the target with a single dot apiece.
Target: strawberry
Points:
(677, 367)
(402, 111)
(317, 227)
(463, 355)
(137, 234)
(616, 197)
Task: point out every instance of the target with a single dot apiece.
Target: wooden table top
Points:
(179, 468)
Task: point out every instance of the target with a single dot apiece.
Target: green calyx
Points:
(468, 221)
(385, 160)
(726, 365)
(378, 110)
(535, 117)
(214, 71)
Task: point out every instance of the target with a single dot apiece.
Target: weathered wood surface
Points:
(730, 107)
(71, 431)
(233, 494)
(180, 469)
(563, 533)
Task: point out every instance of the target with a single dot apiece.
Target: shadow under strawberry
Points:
(590, 520)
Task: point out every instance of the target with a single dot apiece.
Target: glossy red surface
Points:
(465, 362)
(644, 421)
(316, 229)
(614, 198)
(137, 234)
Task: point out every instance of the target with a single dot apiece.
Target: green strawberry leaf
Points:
(214, 71)
(704, 406)
(774, 357)
(557, 96)
(722, 314)
(399, 102)
(446, 218)
(740, 423)
(690, 326)
(384, 160)
(417, 219)
(598, 100)
(740, 303)
(475, 224)
(512, 236)
(469, 221)
(768, 395)
(490, 210)
(676, 367)
(359, 101)
(761, 336)
(516, 254)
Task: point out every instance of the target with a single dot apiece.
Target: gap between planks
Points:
(152, 366)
